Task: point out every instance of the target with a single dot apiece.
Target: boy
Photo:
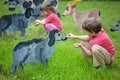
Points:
(96, 44)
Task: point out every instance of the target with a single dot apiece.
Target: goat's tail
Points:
(99, 13)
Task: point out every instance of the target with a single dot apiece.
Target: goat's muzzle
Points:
(64, 39)
(11, 9)
(63, 15)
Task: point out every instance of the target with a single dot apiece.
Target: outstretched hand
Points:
(37, 22)
(70, 35)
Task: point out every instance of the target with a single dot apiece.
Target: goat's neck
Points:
(74, 15)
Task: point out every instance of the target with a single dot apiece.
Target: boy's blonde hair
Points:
(92, 25)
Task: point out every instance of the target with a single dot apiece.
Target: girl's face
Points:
(45, 13)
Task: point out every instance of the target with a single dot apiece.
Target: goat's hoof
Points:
(15, 76)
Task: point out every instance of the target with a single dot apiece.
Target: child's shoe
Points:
(101, 67)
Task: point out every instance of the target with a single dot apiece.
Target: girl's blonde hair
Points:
(47, 7)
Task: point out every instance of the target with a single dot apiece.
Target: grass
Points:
(67, 63)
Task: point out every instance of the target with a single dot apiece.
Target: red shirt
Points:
(53, 19)
(103, 40)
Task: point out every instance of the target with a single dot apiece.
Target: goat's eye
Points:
(58, 34)
(67, 8)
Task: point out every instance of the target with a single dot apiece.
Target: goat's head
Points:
(55, 35)
(30, 12)
(12, 4)
(116, 27)
(69, 10)
(37, 2)
(54, 3)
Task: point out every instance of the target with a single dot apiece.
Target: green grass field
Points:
(67, 63)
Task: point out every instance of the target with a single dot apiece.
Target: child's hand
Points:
(77, 45)
(37, 22)
(70, 35)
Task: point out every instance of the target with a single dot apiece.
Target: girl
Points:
(51, 20)
(96, 44)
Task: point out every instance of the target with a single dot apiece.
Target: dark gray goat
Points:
(116, 27)
(35, 50)
(34, 4)
(16, 22)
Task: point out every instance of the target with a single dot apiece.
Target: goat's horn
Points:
(73, 2)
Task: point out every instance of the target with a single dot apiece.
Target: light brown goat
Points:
(80, 17)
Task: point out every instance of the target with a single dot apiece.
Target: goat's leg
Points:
(14, 33)
(4, 32)
(20, 66)
(43, 57)
(22, 28)
(44, 61)
(23, 33)
(44, 64)
(80, 27)
(0, 33)
(14, 66)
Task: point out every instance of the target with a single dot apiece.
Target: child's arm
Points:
(37, 22)
(83, 38)
(85, 49)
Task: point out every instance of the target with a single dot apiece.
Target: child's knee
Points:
(95, 49)
(46, 25)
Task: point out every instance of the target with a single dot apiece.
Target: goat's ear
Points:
(17, 2)
(6, 2)
(52, 37)
(28, 12)
(73, 6)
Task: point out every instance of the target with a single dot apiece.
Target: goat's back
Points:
(89, 13)
(27, 43)
(93, 13)
(82, 16)
(18, 21)
(28, 51)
